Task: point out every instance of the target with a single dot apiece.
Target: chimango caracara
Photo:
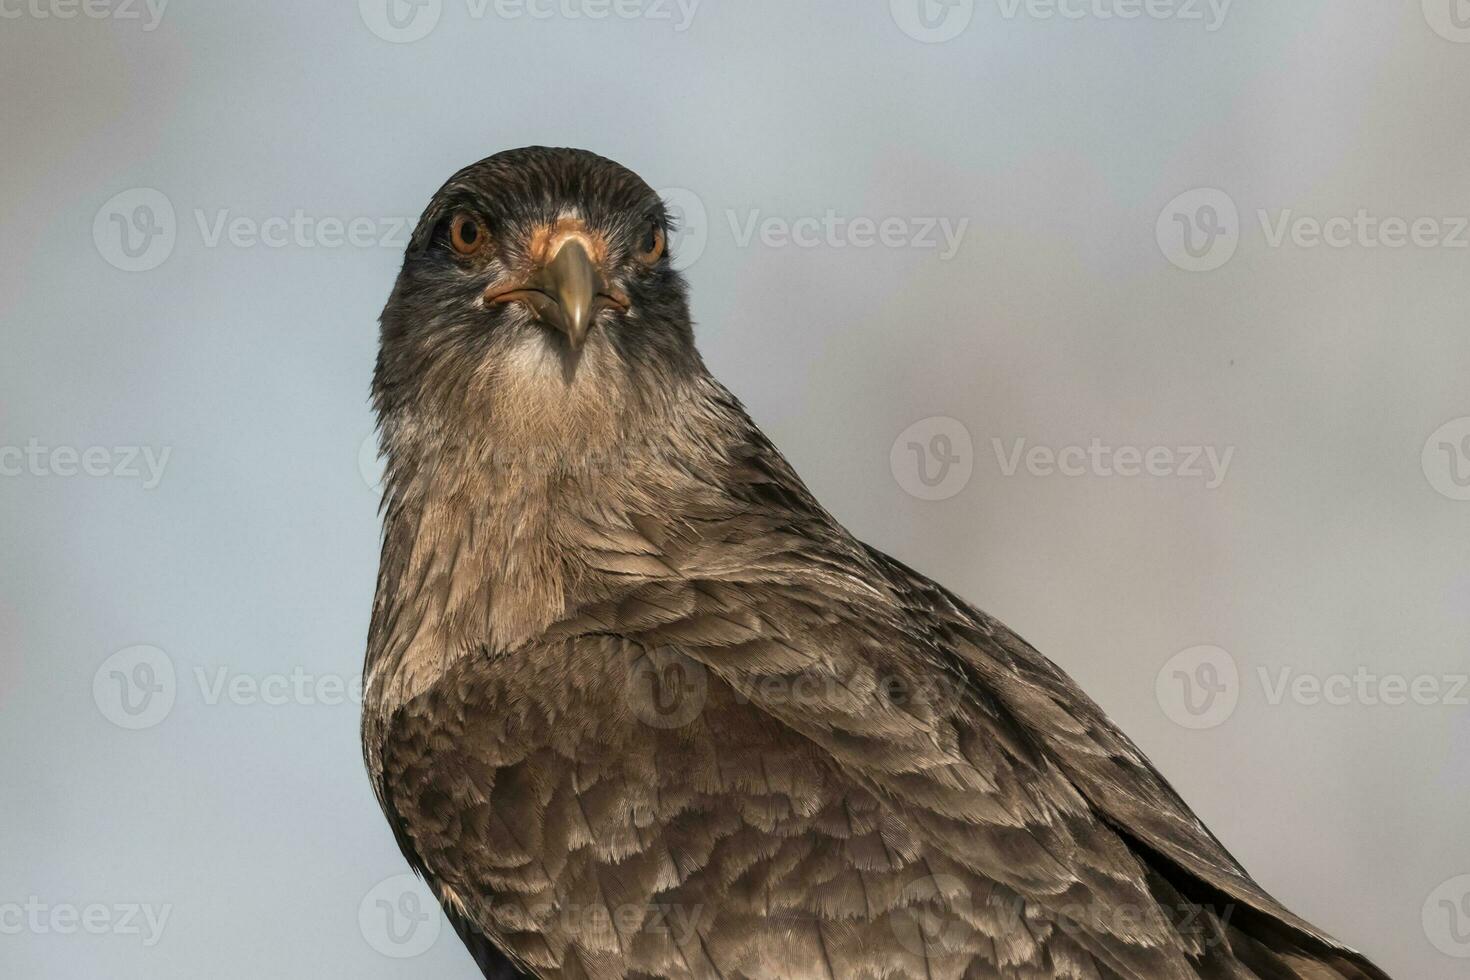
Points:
(637, 706)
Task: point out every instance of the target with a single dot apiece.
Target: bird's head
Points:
(537, 282)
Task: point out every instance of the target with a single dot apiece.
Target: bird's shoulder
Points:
(912, 689)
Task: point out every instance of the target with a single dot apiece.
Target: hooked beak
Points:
(566, 293)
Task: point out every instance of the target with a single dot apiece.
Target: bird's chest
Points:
(579, 795)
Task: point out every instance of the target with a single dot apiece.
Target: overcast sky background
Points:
(190, 530)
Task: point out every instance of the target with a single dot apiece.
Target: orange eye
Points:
(467, 233)
(651, 249)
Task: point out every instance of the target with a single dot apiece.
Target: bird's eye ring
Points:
(651, 249)
(467, 233)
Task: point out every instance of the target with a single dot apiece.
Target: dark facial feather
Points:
(438, 336)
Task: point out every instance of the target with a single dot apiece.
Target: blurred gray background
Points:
(202, 216)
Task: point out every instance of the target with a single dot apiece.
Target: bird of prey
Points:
(638, 706)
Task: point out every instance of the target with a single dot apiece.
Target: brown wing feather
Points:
(1020, 765)
(1116, 778)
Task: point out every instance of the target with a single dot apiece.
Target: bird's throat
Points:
(487, 533)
